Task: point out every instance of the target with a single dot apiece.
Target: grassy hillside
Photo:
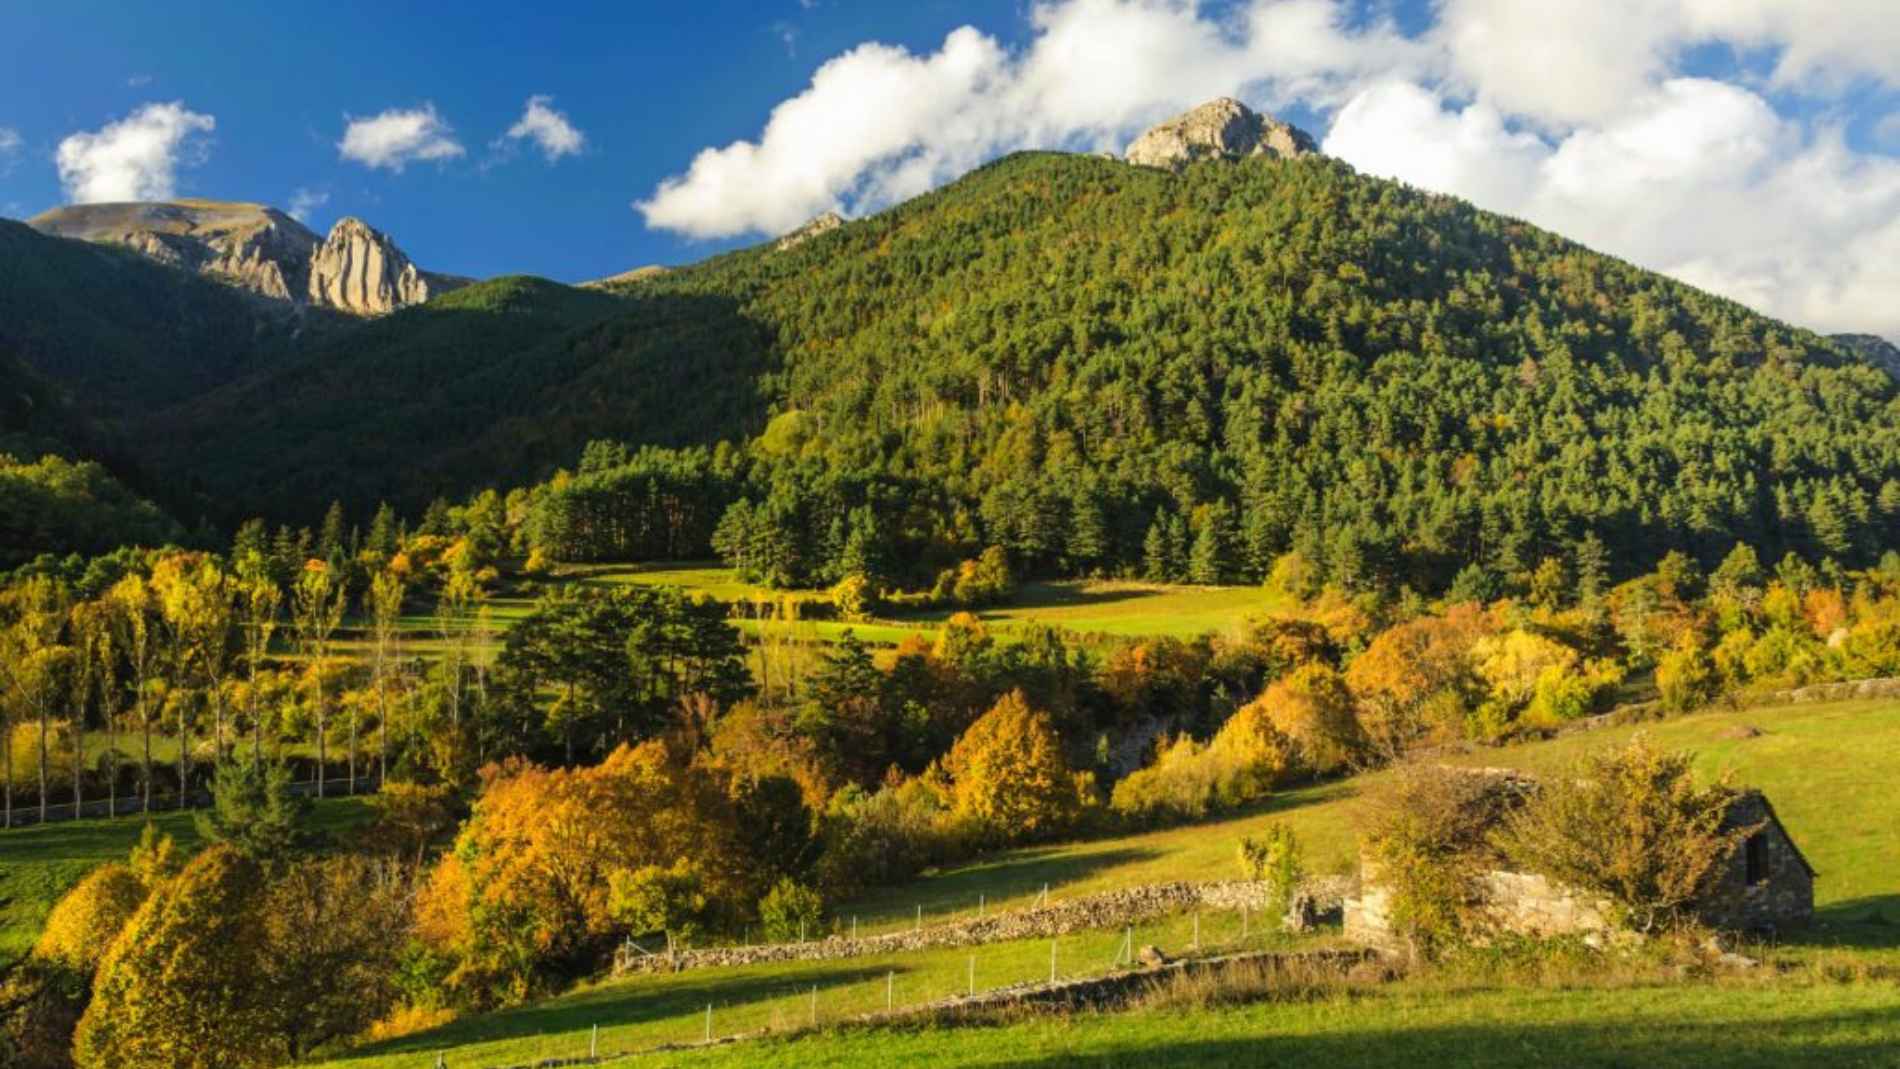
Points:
(1826, 767)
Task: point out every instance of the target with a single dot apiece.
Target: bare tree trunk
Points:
(184, 759)
(145, 722)
(323, 723)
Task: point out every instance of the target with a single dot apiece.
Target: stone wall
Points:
(1107, 910)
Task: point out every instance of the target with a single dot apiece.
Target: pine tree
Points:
(1154, 551)
(330, 544)
(1591, 564)
(383, 538)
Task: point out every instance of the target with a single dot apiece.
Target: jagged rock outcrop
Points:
(359, 270)
(1874, 349)
(256, 248)
(824, 224)
(1219, 129)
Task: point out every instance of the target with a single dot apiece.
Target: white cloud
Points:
(135, 158)
(305, 201)
(550, 130)
(398, 137)
(10, 141)
(1697, 178)
(1577, 116)
(880, 123)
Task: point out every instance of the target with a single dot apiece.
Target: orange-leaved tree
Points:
(1010, 779)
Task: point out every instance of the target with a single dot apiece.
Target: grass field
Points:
(39, 864)
(1828, 768)
(1114, 608)
(1765, 1026)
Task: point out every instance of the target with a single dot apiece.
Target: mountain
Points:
(1874, 349)
(356, 270)
(1078, 358)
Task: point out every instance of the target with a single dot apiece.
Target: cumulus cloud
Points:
(398, 137)
(549, 130)
(1579, 117)
(135, 158)
(305, 201)
(880, 123)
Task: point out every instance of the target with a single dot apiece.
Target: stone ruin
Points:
(1766, 885)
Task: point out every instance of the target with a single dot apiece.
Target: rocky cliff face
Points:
(1223, 128)
(1874, 349)
(359, 270)
(356, 270)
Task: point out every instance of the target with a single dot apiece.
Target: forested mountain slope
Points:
(123, 334)
(1075, 353)
(501, 380)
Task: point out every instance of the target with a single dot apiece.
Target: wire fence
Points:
(662, 1011)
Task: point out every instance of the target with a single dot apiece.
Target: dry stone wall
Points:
(1110, 909)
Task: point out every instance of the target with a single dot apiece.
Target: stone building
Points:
(1766, 885)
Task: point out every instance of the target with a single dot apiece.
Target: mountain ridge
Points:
(355, 269)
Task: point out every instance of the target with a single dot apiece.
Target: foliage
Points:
(1009, 778)
(85, 922)
(211, 1014)
(652, 898)
(58, 506)
(790, 910)
(1632, 824)
(1423, 839)
(1313, 710)
(256, 811)
(1274, 859)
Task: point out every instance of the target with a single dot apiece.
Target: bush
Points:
(1632, 825)
(90, 917)
(1273, 859)
(790, 910)
(1246, 760)
(1424, 841)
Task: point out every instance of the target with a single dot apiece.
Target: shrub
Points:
(1424, 841)
(655, 899)
(1273, 859)
(1687, 677)
(790, 910)
(1632, 825)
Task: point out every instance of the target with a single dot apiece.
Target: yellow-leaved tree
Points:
(179, 988)
(1010, 780)
(1313, 709)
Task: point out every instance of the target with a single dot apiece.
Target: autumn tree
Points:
(317, 602)
(1313, 709)
(332, 931)
(384, 605)
(134, 622)
(1415, 682)
(259, 602)
(180, 987)
(1010, 779)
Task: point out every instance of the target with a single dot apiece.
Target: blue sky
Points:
(1749, 146)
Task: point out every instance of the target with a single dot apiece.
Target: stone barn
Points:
(1765, 886)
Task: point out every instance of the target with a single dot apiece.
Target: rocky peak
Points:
(824, 224)
(1219, 129)
(359, 270)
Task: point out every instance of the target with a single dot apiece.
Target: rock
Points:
(624, 278)
(1219, 129)
(260, 250)
(1872, 348)
(824, 224)
(250, 246)
(1741, 732)
(1151, 957)
(1308, 910)
(359, 270)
